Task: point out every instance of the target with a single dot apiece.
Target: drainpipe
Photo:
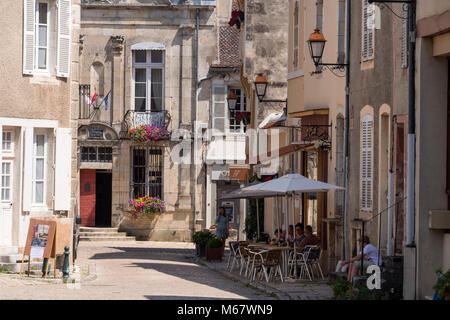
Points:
(410, 218)
(346, 137)
(197, 13)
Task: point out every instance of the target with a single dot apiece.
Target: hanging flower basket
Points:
(237, 17)
(146, 206)
(148, 133)
(243, 116)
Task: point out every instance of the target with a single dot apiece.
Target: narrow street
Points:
(135, 271)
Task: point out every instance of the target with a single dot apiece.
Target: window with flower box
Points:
(147, 172)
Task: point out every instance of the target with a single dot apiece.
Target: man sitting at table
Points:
(310, 239)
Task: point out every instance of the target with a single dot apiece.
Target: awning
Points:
(306, 113)
(148, 46)
(273, 120)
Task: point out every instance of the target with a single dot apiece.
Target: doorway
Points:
(103, 197)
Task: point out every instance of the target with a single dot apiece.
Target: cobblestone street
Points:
(135, 271)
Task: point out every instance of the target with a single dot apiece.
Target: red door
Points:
(87, 197)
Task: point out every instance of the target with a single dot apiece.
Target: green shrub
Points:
(214, 243)
(443, 284)
(202, 237)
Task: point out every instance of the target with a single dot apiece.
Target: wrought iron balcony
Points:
(134, 119)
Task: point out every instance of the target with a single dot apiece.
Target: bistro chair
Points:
(235, 256)
(313, 261)
(256, 260)
(272, 261)
(244, 258)
(302, 262)
(234, 246)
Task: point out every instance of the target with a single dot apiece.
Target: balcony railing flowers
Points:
(147, 133)
(237, 17)
(243, 116)
(147, 206)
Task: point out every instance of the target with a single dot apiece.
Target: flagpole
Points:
(104, 99)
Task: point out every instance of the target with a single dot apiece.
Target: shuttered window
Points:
(404, 43)
(28, 36)
(366, 162)
(39, 169)
(368, 32)
(64, 28)
(295, 53)
(219, 106)
(341, 31)
(37, 38)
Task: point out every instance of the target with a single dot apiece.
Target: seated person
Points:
(310, 239)
(290, 237)
(279, 235)
(370, 253)
(299, 232)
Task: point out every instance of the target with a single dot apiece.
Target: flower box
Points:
(147, 206)
(243, 116)
(237, 17)
(147, 133)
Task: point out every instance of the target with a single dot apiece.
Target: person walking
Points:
(222, 225)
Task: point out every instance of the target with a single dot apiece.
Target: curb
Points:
(92, 276)
(280, 295)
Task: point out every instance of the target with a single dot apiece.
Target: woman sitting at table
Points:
(279, 235)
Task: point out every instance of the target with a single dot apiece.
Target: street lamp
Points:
(261, 84)
(316, 44)
(232, 100)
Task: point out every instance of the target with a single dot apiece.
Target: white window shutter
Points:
(63, 169)
(366, 162)
(404, 44)
(28, 152)
(64, 33)
(219, 109)
(28, 36)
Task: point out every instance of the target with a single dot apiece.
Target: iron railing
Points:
(134, 119)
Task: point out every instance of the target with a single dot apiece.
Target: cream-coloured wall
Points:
(296, 94)
(24, 96)
(426, 8)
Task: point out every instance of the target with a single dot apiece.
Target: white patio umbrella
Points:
(291, 184)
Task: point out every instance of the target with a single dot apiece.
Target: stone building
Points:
(263, 50)
(145, 60)
(39, 67)
(316, 100)
(225, 152)
(430, 247)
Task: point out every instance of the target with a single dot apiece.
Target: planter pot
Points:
(200, 250)
(214, 254)
(139, 226)
(447, 295)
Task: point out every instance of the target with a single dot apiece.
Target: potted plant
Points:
(147, 205)
(214, 249)
(237, 17)
(243, 116)
(442, 285)
(148, 133)
(200, 239)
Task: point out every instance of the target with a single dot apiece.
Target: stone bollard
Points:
(65, 268)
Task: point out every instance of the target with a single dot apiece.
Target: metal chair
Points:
(302, 262)
(272, 260)
(313, 260)
(235, 256)
(255, 259)
(244, 258)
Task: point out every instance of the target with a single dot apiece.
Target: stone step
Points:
(11, 258)
(8, 250)
(93, 229)
(107, 238)
(103, 234)
(15, 267)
